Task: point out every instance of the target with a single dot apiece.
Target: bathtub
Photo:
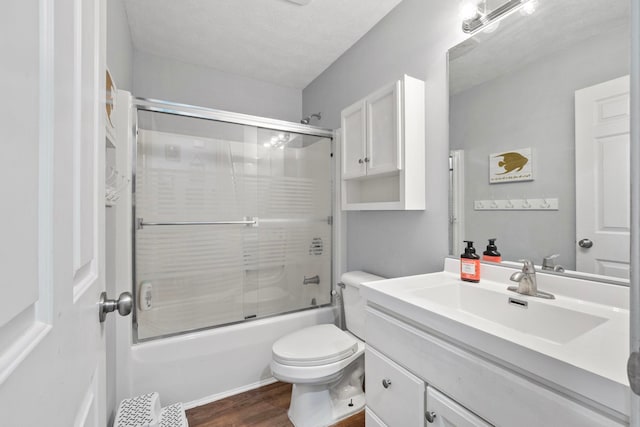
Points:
(201, 367)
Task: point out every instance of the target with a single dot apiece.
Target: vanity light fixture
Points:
(482, 18)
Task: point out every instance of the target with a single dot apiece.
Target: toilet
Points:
(326, 364)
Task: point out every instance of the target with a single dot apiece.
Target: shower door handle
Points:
(124, 305)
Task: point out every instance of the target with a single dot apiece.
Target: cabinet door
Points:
(353, 141)
(444, 412)
(394, 394)
(384, 130)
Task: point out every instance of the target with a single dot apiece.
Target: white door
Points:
(353, 141)
(51, 222)
(384, 130)
(602, 178)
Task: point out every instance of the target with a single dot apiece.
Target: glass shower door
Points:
(195, 201)
(294, 205)
(233, 222)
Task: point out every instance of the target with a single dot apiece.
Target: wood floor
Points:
(265, 407)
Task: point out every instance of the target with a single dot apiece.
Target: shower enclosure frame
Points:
(204, 113)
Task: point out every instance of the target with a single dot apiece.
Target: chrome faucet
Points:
(527, 283)
(549, 263)
(315, 280)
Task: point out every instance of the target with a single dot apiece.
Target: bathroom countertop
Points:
(590, 367)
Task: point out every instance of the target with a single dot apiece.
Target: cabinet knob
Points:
(366, 160)
(360, 161)
(386, 383)
(430, 416)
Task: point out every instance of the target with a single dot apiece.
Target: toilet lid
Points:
(316, 345)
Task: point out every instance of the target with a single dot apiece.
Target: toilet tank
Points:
(354, 304)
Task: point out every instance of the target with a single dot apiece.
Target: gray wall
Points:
(533, 106)
(412, 39)
(170, 80)
(119, 46)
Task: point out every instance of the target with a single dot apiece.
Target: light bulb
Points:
(468, 9)
(529, 7)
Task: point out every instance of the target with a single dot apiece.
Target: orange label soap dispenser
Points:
(470, 264)
(492, 254)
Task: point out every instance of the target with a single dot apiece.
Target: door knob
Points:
(124, 305)
(585, 243)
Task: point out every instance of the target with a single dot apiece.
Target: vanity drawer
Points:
(392, 393)
(371, 419)
(496, 394)
(444, 412)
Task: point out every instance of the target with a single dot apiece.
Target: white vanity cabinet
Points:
(395, 395)
(451, 386)
(383, 149)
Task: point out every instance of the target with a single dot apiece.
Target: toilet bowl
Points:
(326, 364)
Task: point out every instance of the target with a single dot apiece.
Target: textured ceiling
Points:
(276, 41)
(518, 40)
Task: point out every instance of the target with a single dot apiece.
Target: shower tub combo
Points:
(231, 248)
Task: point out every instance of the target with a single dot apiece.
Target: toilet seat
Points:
(314, 346)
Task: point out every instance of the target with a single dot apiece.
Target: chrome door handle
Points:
(585, 243)
(124, 305)
(386, 383)
(430, 416)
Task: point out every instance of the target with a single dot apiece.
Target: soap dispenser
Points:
(492, 254)
(470, 264)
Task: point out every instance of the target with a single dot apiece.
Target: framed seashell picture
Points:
(511, 166)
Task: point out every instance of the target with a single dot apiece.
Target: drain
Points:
(518, 302)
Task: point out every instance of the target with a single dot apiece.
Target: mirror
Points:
(515, 120)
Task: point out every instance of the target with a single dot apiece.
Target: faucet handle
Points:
(549, 261)
(527, 266)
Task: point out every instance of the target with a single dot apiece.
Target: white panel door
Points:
(602, 178)
(384, 130)
(51, 251)
(353, 141)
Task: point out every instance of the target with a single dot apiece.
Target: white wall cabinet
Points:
(383, 149)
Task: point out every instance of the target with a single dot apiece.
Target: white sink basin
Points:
(578, 341)
(527, 315)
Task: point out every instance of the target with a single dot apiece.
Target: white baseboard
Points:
(233, 392)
